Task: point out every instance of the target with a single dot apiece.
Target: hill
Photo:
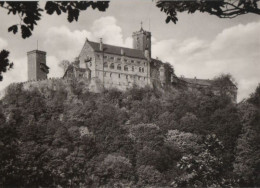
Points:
(67, 136)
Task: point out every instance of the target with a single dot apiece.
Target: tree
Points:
(255, 97)
(246, 163)
(64, 64)
(5, 64)
(221, 8)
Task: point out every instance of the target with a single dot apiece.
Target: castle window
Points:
(133, 68)
(144, 78)
(119, 58)
(112, 58)
(125, 60)
(105, 65)
(118, 75)
(105, 57)
(132, 61)
(140, 69)
(139, 77)
(125, 68)
(144, 63)
(126, 76)
(105, 74)
(112, 66)
(110, 74)
(118, 67)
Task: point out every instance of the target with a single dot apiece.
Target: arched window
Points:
(125, 68)
(119, 67)
(133, 68)
(105, 64)
(112, 66)
(140, 69)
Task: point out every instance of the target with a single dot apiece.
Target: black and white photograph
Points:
(130, 94)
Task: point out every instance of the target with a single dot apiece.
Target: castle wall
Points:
(120, 71)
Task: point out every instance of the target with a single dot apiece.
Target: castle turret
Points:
(142, 40)
(37, 68)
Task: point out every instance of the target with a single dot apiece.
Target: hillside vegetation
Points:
(142, 137)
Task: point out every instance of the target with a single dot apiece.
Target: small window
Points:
(105, 57)
(144, 78)
(138, 62)
(112, 58)
(139, 77)
(133, 68)
(112, 66)
(125, 68)
(126, 76)
(105, 64)
(140, 69)
(110, 74)
(118, 67)
(118, 75)
(125, 60)
(132, 61)
(144, 64)
(119, 58)
(105, 74)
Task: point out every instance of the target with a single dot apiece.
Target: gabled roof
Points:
(129, 52)
(204, 82)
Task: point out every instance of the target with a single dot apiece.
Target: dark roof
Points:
(203, 82)
(117, 50)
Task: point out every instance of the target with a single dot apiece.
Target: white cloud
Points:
(17, 74)
(3, 43)
(235, 50)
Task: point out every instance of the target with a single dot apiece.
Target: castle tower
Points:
(142, 40)
(37, 68)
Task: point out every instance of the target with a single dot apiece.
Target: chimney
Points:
(101, 45)
(122, 51)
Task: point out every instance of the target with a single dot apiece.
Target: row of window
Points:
(119, 76)
(112, 66)
(119, 59)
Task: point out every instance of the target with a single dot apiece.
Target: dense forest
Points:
(69, 137)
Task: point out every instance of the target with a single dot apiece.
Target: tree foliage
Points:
(5, 64)
(221, 8)
(139, 138)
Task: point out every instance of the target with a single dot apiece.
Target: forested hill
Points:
(139, 138)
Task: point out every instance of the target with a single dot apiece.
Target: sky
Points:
(199, 45)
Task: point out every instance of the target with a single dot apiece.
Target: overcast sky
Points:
(198, 45)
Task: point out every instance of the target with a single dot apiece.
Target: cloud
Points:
(235, 50)
(3, 43)
(17, 74)
(64, 44)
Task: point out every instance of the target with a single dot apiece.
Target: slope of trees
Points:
(142, 137)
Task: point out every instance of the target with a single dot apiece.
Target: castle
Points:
(111, 66)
